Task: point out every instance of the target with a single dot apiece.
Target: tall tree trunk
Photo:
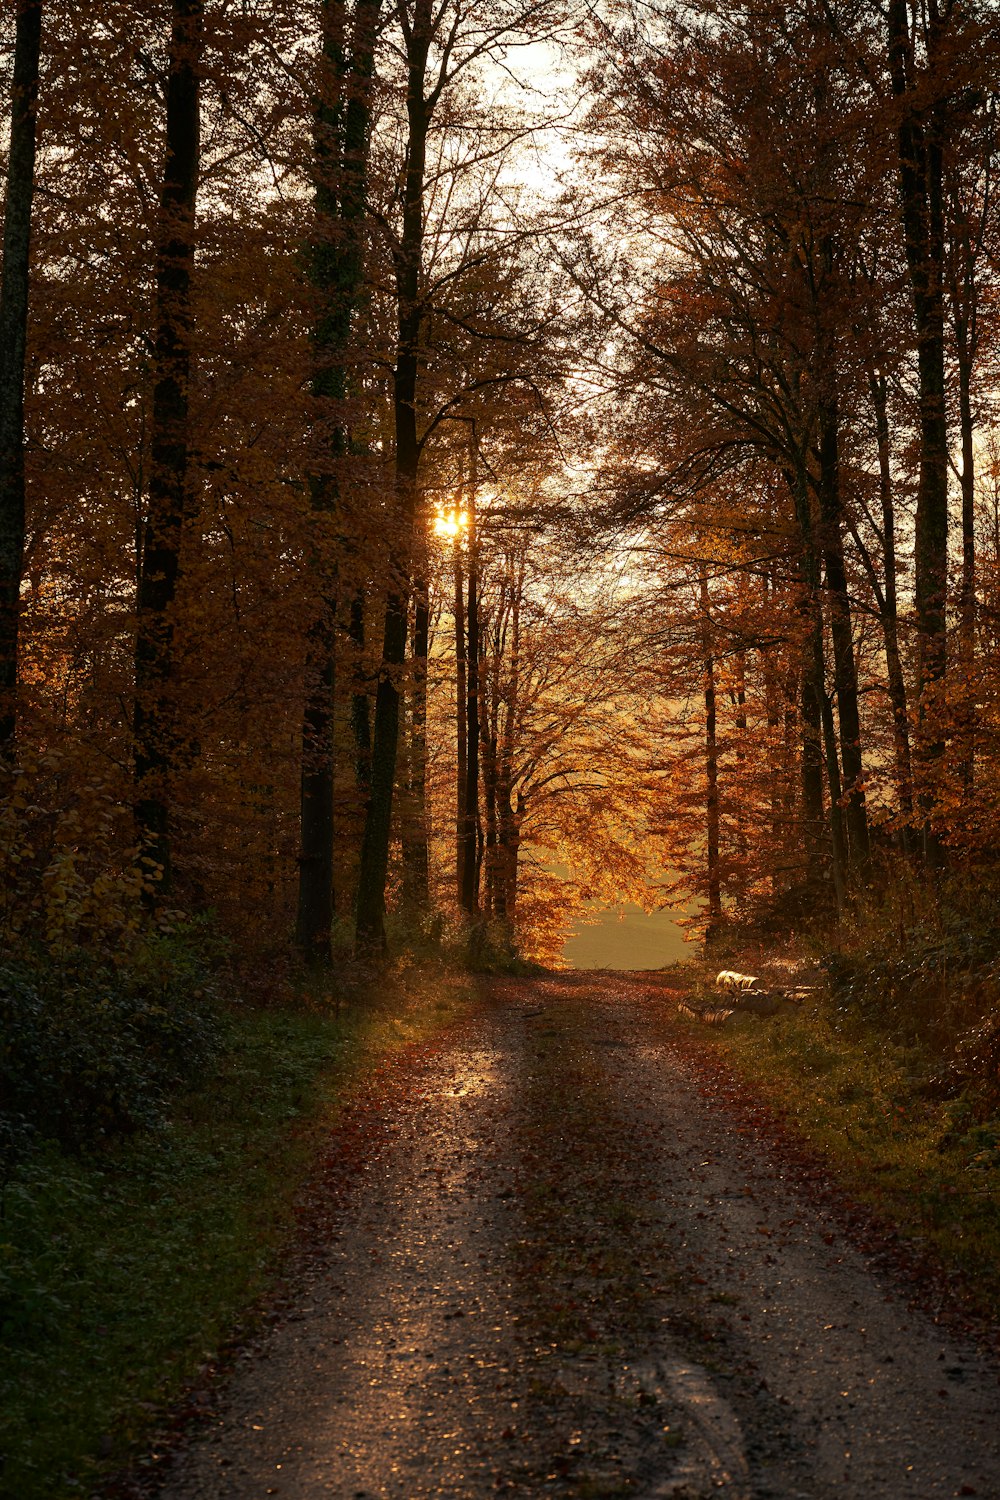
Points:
(886, 600)
(838, 838)
(812, 686)
(461, 717)
(712, 852)
(964, 302)
(791, 749)
(360, 713)
(157, 720)
(494, 898)
(968, 433)
(921, 190)
(14, 293)
(342, 122)
(967, 603)
(491, 666)
(845, 667)
(741, 839)
(314, 913)
(469, 863)
(374, 865)
(416, 854)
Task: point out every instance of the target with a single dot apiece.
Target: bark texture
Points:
(14, 293)
(160, 742)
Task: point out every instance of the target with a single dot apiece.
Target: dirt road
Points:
(562, 1271)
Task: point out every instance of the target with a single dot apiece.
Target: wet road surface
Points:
(566, 1274)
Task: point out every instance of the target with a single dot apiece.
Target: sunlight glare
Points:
(450, 524)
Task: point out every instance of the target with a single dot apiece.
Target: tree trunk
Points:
(461, 714)
(374, 866)
(712, 854)
(921, 190)
(360, 713)
(837, 834)
(14, 293)
(314, 914)
(812, 686)
(416, 855)
(740, 838)
(342, 120)
(159, 744)
(966, 709)
(888, 612)
(510, 804)
(964, 293)
(845, 667)
(469, 863)
(490, 674)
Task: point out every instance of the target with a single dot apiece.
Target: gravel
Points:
(561, 1267)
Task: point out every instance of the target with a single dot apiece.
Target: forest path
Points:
(565, 1271)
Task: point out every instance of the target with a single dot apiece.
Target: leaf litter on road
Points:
(554, 1257)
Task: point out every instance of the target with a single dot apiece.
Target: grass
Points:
(871, 1107)
(122, 1272)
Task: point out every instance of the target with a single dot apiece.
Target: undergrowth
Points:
(931, 1164)
(125, 1263)
(892, 1067)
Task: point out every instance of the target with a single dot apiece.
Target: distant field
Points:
(626, 938)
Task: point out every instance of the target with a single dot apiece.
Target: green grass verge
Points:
(121, 1272)
(932, 1165)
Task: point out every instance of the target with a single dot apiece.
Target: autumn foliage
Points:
(406, 542)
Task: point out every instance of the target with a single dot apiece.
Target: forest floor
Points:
(559, 1254)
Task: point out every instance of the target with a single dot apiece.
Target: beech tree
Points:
(14, 296)
(440, 51)
(291, 304)
(159, 735)
(342, 128)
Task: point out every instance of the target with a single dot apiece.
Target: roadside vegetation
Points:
(150, 1176)
(890, 1066)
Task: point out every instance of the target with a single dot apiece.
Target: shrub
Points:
(90, 1049)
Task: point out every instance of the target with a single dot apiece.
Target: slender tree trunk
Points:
(774, 762)
(968, 432)
(837, 832)
(741, 839)
(416, 856)
(159, 745)
(360, 712)
(921, 191)
(494, 897)
(791, 751)
(967, 603)
(845, 667)
(812, 686)
(712, 853)
(512, 856)
(778, 744)
(490, 751)
(461, 717)
(374, 865)
(963, 298)
(470, 867)
(888, 611)
(342, 125)
(14, 293)
(510, 801)
(314, 914)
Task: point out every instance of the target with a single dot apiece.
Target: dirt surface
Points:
(561, 1267)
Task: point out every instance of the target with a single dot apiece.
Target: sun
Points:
(450, 524)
